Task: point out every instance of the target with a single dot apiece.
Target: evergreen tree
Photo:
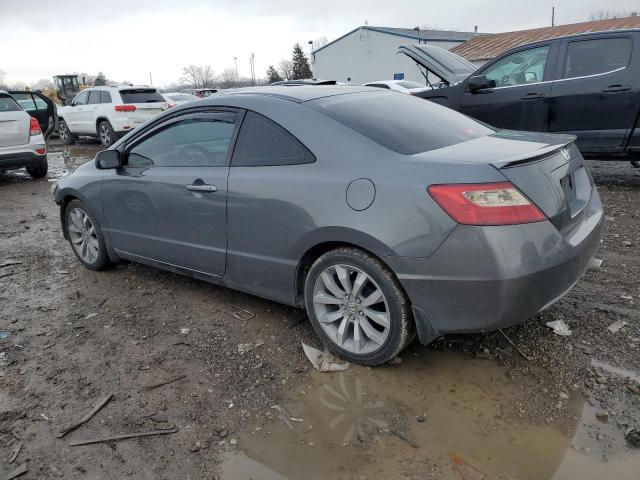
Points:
(100, 80)
(273, 75)
(301, 68)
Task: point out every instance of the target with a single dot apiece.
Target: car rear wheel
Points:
(65, 134)
(106, 133)
(357, 307)
(85, 236)
(38, 171)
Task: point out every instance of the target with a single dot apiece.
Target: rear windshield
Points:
(139, 95)
(402, 123)
(407, 84)
(8, 104)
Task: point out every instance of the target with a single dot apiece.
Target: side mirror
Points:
(480, 82)
(108, 159)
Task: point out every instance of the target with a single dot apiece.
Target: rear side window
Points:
(141, 95)
(401, 123)
(105, 97)
(25, 100)
(94, 97)
(590, 57)
(8, 104)
(262, 142)
(40, 103)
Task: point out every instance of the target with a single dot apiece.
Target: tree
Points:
(198, 76)
(609, 14)
(273, 75)
(300, 64)
(100, 80)
(3, 86)
(42, 84)
(228, 78)
(319, 43)
(285, 69)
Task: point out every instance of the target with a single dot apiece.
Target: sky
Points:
(129, 39)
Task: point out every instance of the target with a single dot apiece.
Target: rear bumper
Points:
(19, 159)
(485, 278)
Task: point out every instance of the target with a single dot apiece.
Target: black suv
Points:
(587, 85)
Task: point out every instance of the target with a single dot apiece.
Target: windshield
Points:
(401, 123)
(8, 104)
(140, 95)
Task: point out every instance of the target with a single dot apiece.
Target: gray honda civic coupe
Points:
(383, 215)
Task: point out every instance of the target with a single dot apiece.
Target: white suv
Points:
(108, 112)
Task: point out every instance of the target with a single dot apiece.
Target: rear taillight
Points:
(125, 108)
(485, 204)
(34, 127)
(41, 151)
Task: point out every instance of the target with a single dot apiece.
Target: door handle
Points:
(616, 88)
(532, 96)
(201, 188)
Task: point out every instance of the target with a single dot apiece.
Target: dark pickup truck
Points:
(587, 85)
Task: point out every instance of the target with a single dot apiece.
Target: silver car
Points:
(381, 214)
(22, 143)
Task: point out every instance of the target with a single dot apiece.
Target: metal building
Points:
(366, 54)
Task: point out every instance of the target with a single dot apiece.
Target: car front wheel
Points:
(357, 306)
(65, 134)
(85, 236)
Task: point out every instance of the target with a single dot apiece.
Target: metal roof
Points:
(486, 47)
(428, 35)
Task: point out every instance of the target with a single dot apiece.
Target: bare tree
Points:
(198, 76)
(319, 43)
(42, 84)
(227, 78)
(285, 69)
(610, 14)
(3, 86)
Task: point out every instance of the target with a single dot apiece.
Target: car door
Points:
(73, 114)
(523, 85)
(90, 113)
(266, 159)
(167, 203)
(38, 106)
(596, 93)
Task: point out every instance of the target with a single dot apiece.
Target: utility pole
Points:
(553, 16)
(235, 59)
(253, 71)
(150, 79)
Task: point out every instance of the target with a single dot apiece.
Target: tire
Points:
(79, 233)
(65, 134)
(106, 134)
(38, 171)
(337, 319)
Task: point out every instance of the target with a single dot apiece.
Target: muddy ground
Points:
(248, 405)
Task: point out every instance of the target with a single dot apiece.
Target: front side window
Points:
(192, 142)
(520, 68)
(40, 103)
(591, 57)
(25, 100)
(81, 99)
(262, 142)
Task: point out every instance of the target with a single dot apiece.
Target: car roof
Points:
(576, 36)
(297, 94)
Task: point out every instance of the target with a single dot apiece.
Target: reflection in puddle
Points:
(65, 159)
(439, 415)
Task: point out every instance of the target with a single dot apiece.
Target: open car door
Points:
(38, 106)
(447, 66)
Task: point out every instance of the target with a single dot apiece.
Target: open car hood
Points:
(449, 67)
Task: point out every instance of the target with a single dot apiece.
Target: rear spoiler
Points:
(562, 142)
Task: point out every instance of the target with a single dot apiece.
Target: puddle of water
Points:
(363, 423)
(65, 159)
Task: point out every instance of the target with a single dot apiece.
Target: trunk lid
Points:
(14, 128)
(148, 102)
(451, 68)
(547, 168)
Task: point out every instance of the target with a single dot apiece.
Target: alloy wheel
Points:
(351, 309)
(83, 235)
(62, 132)
(105, 135)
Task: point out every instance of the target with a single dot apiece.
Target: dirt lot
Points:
(248, 405)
